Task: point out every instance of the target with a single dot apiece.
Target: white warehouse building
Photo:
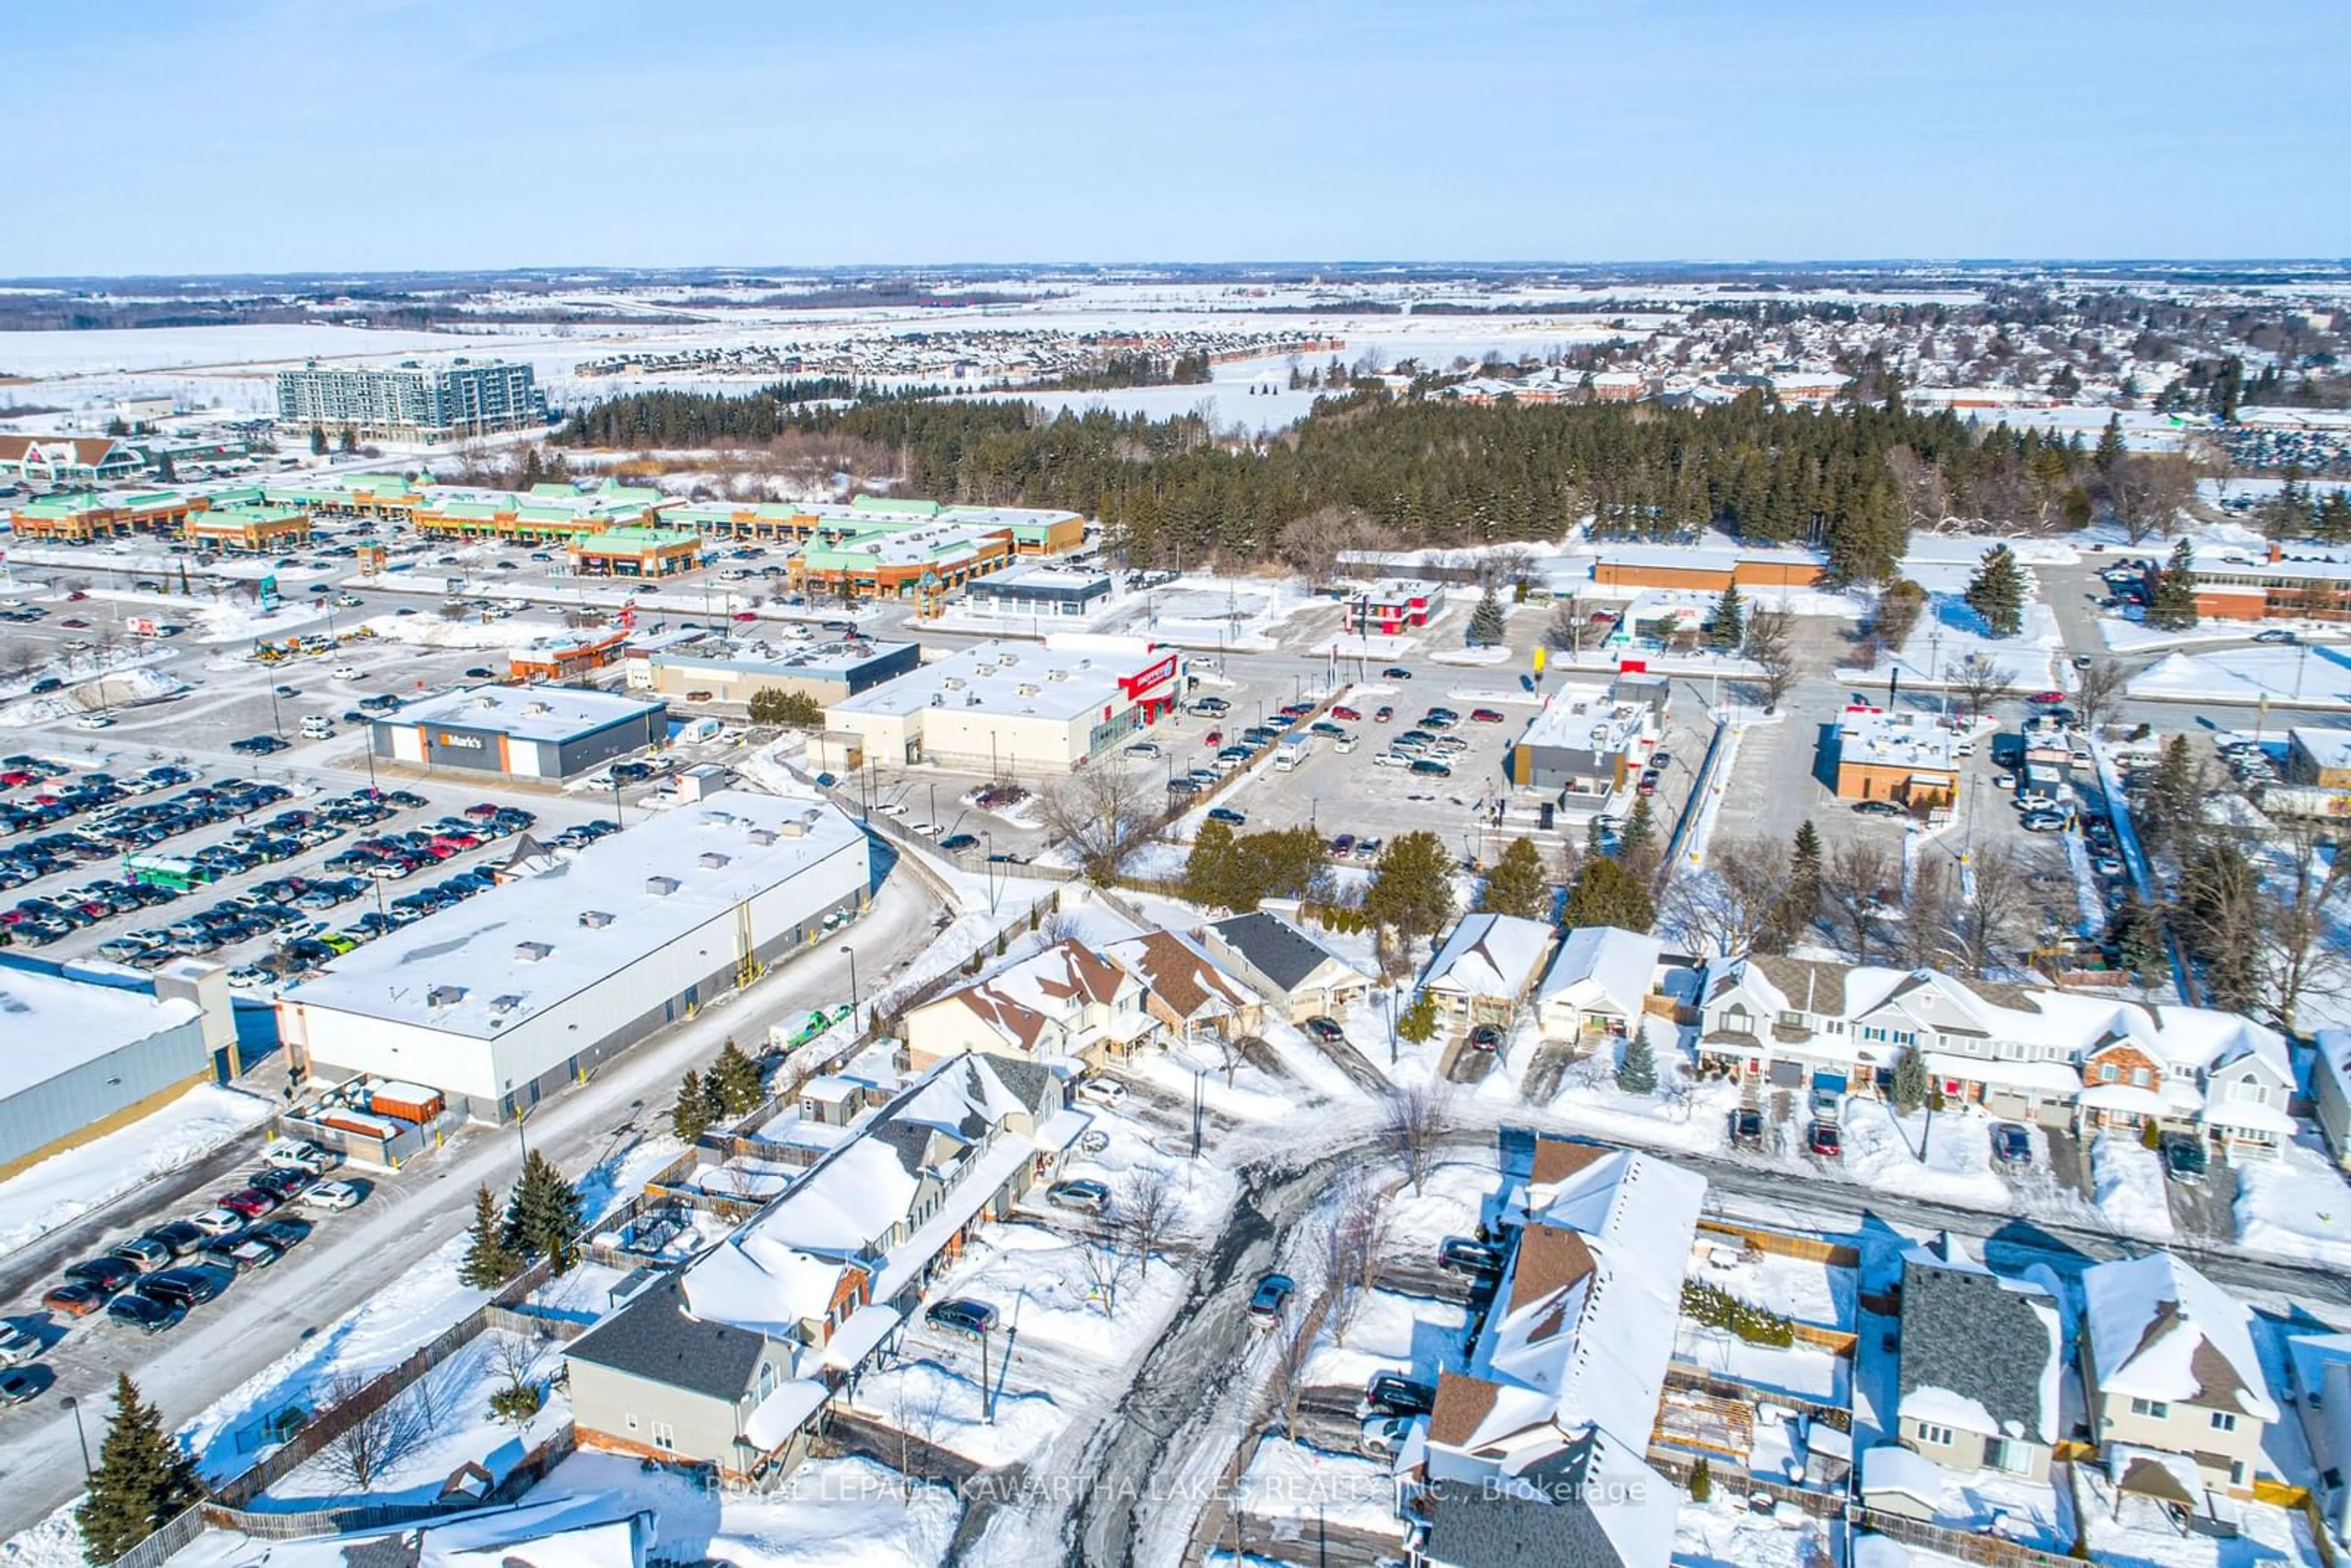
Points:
(1017, 706)
(513, 993)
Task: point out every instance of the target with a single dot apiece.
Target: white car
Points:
(1392, 759)
(246, 975)
(17, 1347)
(296, 1152)
(332, 1194)
(347, 672)
(1384, 1435)
(218, 1221)
(891, 808)
(929, 830)
(93, 721)
(1107, 1092)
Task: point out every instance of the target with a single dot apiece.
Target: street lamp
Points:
(851, 956)
(70, 1403)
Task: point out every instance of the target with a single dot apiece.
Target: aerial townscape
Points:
(663, 910)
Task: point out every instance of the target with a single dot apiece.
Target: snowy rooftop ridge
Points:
(2159, 1330)
(1488, 956)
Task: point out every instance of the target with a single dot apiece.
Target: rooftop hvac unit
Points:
(444, 996)
(594, 919)
(953, 683)
(485, 701)
(1005, 659)
(972, 701)
(534, 709)
(506, 1003)
(713, 861)
(661, 886)
(1057, 675)
(763, 837)
(532, 952)
(1028, 689)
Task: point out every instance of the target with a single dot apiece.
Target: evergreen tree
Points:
(142, 1478)
(1515, 885)
(1911, 1084)
(165, 470)
(2174, 800)
(2172, 606)
(1807, 881)
(489, 1262)
(1417, 1023)
(2137, 933)
(1729, 627)
(1701, 1481)
(1636, 845)
(1413, 889)
(1637, 1072)
(545, 1214)
(689, 1117)
(351, 442)
(1996, 592)
(1486, 625)
(1209, 870)
(1608, 894)
(740, 1087)
(2110, 445)
(318, 441)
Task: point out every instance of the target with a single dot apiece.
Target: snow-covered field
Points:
(2316, 676)
(2297, 1206)
(65, 1187)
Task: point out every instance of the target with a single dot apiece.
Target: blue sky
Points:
(246, 135)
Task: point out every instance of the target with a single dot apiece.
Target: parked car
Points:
(1326, 1029)
(143, 1312)
(1431, 767)
(182, 1288)
(252, 1202)
(1227, 816)
(17, 1386)
(1271, 1298)
(1459, 1254)
(1393, 1394)
(107, 1274)
(16, 1347)
(1824, 1140)
(1107, 1092)
(144, 1254)
(955, 842)
(2011, 1145)
(1089, 1196)
(962, 1314)
(1485, 716)
(74, 1300)
(1877, 808)
(2184, 1160)
(2274, 634)
(1485, 1037)
(217, 1222)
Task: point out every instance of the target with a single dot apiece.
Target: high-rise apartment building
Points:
(411, 401)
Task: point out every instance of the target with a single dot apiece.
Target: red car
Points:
(252, 1202)
(2048, 699)
(1216, 738)
(1824, 1140)
(1348, 714)
(1298, 710)
(1484, 715)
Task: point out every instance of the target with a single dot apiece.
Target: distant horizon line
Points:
(1227, 268)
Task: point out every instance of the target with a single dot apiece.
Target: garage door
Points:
(1828, 1082)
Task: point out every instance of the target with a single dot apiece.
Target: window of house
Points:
(1933, 1436)
(2236, 1472)
(766, 1378)
(2139, 1077)
(2003, 1454)
(2250, 1092)
(664, 1434)
(2108, 1072)
(632, 1419)
(1793, 1020)
(2223, 1421)
(2155, 1409)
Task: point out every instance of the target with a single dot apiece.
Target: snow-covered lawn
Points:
(65, 1187)
(2317, 676)
(1301, 1484)
(1450, 1203)
(1722, 1533)
(1796, 1288)
(837, 1513)
(1390, 1333)
(1799, 1369)
(2143, 1536)
(2295, 1206)
(2126, 1186)
(1881, 1152)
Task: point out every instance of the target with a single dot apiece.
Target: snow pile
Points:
(1880, 1152)
(2126, 1186)
(2295, 1206)
(66, 1187)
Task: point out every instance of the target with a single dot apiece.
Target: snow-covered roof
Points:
(1981, 1352)
(1179, 972)
(525, 713)
(2329, 749)
(1054, 986)
(1006, 678)
(1586, 718)
(467, 971)
(782, 1413)
(55, 1025)
(1604, 964)
(2159, 1330)
(1488, 956)
(1890, 1468)
(1894, 740)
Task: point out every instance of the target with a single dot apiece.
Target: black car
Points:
(18, 1385)
(143, 1312)
(1459, 1254)
(1747, 1128)
(1326, 1029)
(1393, 1394)
(963, 1315)
(108, 1274)
(954, 842)
(180, 1235)
(182, 1288)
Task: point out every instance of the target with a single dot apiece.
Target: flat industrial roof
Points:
(1004, 678)
(525, 713)
(472, 959)
(53, 1026)
(791, 659)
(1586, 718)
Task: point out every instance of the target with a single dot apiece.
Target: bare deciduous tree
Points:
(918, 1415)
(1566, 628)
(2097, 693)
(1770, 644)
(1105, 1268)
(1353, 1250)
(1980, 681)
(1411, 1129)
(1858, 874)
(2304, 959)
(1732, 905)
(1103, 811)
(358, 1456)
(1293, 1348)
(1994, 907)
(2147, 489)
(1147, 1210)
(1922, 938)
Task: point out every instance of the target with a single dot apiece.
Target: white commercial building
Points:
(1017, 705)
(510, 994)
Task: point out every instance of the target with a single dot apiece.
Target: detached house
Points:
(1981, 1357)
(728, 1361)
(1066, 1003)
(1185, 988)
(1486, 967)
(2168, 1358)
(1298, 975)
(1565, 1373)
(1598, 985)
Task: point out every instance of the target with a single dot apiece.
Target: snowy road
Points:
(353, 1257)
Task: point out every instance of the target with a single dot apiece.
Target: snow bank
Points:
(66, 1187)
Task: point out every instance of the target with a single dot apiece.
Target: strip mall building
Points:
(1016, 706)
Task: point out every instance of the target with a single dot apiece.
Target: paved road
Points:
(353, 1257)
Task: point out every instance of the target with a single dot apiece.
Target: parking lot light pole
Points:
(851, 955)
(70, 1403)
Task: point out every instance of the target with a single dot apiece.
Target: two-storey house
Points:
(1067, 1003)
(2168, 1362)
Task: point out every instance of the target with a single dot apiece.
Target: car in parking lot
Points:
(1108, 1093)
(1395, 673)
(1486, 715)
(1431, 768)
(1459, 1254)
(955, 842)
(72, 1301)
(2042, 821)
(1343, 712)
(962, 1314)
(1271, 1298)
(143, 1312)
(107, 1274)
(1877, 808)
(2274, 634)
(1089, 1196)
(217, 1221)
(16, 1347)
(252, 1202)
(481, 673)
(2011, 1144)
(182, 1288)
